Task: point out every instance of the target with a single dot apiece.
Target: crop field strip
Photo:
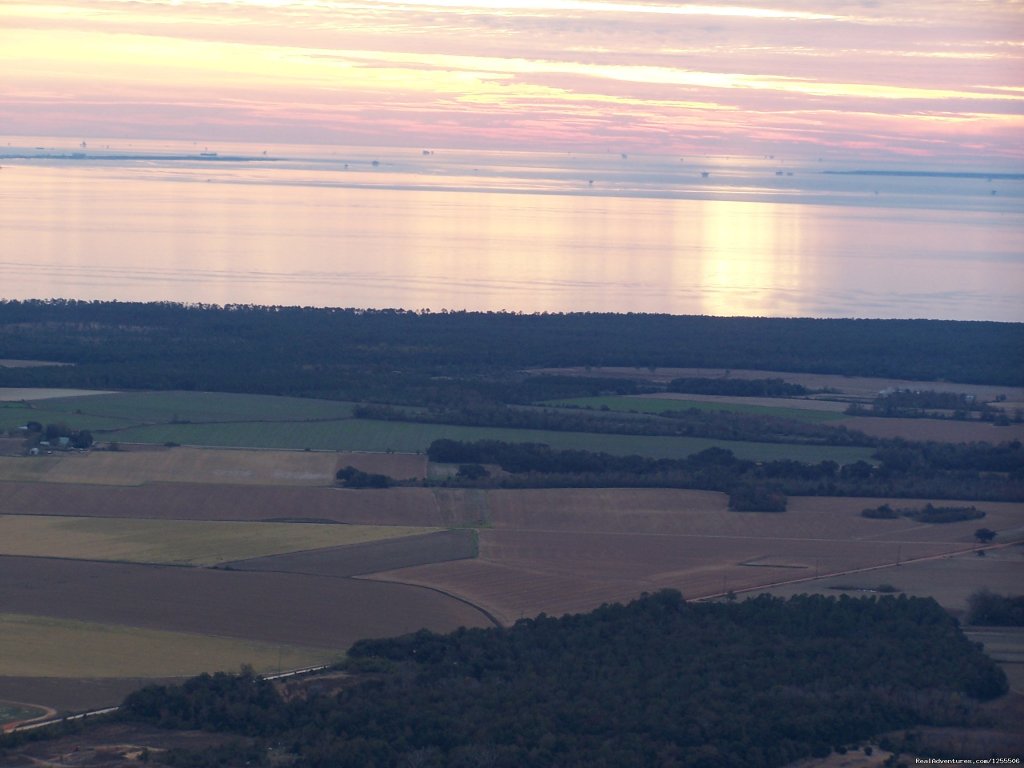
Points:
(369, 557)
(420, 507)
(278, 608)
(410, 437)
(204, 465)
(40, 646)
(175, 542)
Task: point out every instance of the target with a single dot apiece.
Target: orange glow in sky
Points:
(921, 78)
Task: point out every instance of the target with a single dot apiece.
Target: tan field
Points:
(203, 465)
(175, 542)
(15, 394)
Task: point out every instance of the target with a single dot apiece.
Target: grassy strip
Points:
(407, 437)
(39, 646)
(176, 542)
(655, 405)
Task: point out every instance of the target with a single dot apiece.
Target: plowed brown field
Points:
(563, 551)
(287, 608)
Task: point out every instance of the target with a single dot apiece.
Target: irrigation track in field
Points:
(867, 569)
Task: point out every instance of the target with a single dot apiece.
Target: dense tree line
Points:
(929, 513)
(717, 469)
(907, 403)
(353, 353)
(663, 682)
(985, 607)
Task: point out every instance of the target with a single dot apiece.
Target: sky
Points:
(928, 80)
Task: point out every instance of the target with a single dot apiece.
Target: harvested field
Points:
(204, 465)
(309, 611)
(855, 386)
(42, 393)
(438, 507)
(570, 550)
(357, 559)
(175, 542)
(939, 430)
(39, 646)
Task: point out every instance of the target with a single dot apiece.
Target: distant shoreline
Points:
(934, 174)
(212, 157)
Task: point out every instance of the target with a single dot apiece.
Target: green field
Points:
(37, 646)
(652, 405)
(411, 437)
(175, 542)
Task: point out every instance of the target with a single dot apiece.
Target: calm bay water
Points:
(524, 232)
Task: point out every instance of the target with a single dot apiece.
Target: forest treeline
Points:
(406, 356)
(753, 684)
(905, 470)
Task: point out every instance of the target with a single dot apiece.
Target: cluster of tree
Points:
(52, 433)
(718, 469)
(756, 684)
(691, 422)
(926, 514)
(987, 608)
(757, 497)
(378, 354)
(350, 477)
(737, 387)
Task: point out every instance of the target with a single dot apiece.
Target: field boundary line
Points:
(466, 601)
